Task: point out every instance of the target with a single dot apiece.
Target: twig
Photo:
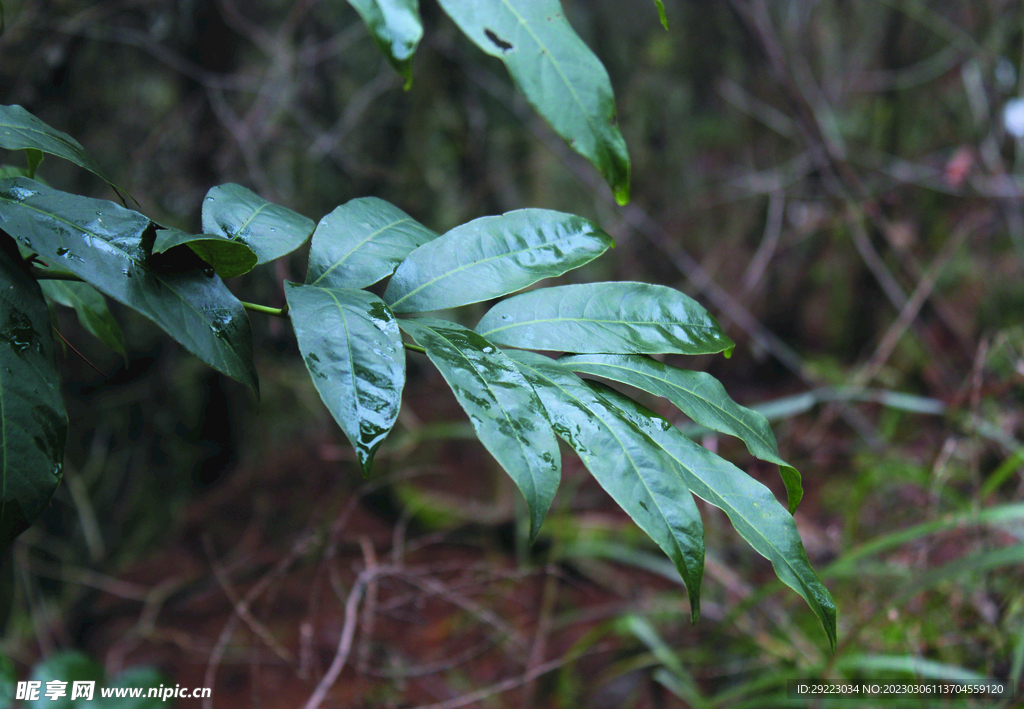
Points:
(369, 608)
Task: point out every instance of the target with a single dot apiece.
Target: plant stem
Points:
(265, 309)
(414, 348)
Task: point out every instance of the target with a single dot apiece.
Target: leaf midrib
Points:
(524, 323)
(357, 246)
(74, 146)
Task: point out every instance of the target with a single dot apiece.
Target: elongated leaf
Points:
(102, 243)
(20, 130)
(661, 13)
(228, 258)
(750, 506)
(91, 308)
(268, 229)
(504, 409)
(361, 242)
(641, 477)
(493, 256)
(353, 350)
(396, 29)
(33, 424)
(557, 73)
(701, 397)
(613, 318)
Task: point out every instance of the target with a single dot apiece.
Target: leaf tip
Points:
(621, 193)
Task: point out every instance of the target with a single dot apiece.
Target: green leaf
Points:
(102, 243)
(8, 677)
(270, 230)
(64, 666)
(20, 130)
(353, 350)
(396, 30)
(361, 242)
(141, 677)
(227, 257)
(493, 256)
(34, 158)
(502, 406)
(613, 318)
(750, 506)
(636, 472)
(91, 308)
(557, 73)
(33, 424)
(698, 395)
(661, 13)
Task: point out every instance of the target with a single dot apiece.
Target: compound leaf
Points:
(91, 308)
(559, 75)
(750, 506)
(396, 30)
(103, 244)
(361, 242)
(492, 256)
(502, 406)
(698, 395)
(353, 350)
(228, 258)
(33, 423)
(240, 214)
(636, 472)
(613, 318)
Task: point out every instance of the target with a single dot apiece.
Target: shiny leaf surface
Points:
(361, 242)
(33, 424)
(502, 406)
(353, 350)
(636, 472)
(91, 308)
(228, 258)
(698, 395)
(612, 318)
(396, 30)
(492, 256)
(559, 75)
(750, 506)
(102, 243)
(240, 214)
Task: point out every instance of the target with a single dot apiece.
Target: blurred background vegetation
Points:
(840, 181)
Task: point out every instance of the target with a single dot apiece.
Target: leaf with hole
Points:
(559, 75)
(396, 29)
(612, 318)
(353, 350)
(637, 473)
(502, 406)
(240, 214)
(33, 424)
(361, 242)
(493, 256)
(91, 308)
(227, 257)
(103, 244)
(698, 395)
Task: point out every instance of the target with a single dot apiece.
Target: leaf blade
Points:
(493, 256)
(361, 242)
(396, 29)
(698, 395)
(556, 71)
(91, 308)
(240, 214)
(610, 318)
(352, 347)
(504, 409)
(226, 257)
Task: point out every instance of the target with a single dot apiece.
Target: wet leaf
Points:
(228, 258)
(698, 395)
(353, 350)
(502, 406)
(559, 75)
(91, 308)
(636, 472)
(396, 30)
(492, 256)
(102, 243)
(64, 666)
(361, 242)
(240, 214)
(33, 423)
(613, 318)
